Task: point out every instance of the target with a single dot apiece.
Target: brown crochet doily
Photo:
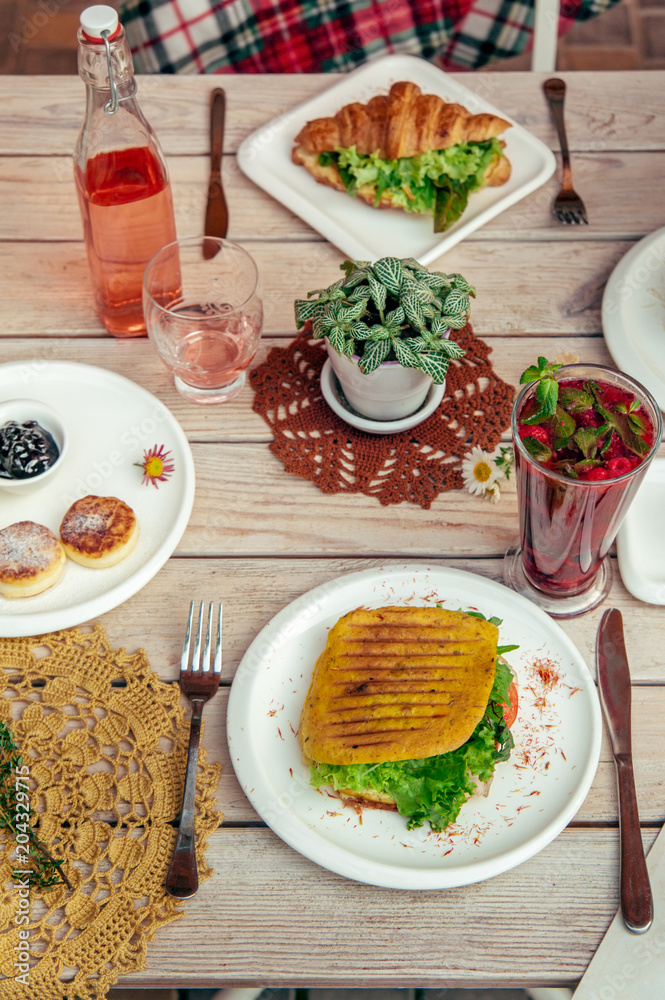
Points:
(105, 742)
(416, 465)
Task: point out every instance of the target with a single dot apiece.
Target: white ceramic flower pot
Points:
(389, 393)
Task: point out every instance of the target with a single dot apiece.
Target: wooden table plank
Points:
(315, 928)
(42, 116)
(611, 183)
(573, 279)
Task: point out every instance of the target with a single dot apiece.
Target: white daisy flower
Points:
(479, 471)
(492, 493)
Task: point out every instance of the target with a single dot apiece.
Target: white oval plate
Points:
(359, 230)
(110, 422)
(641, 540)
(532, 797)
(633, 314)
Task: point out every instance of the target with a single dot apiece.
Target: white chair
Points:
(545, 37)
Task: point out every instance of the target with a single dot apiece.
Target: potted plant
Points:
(387, 327)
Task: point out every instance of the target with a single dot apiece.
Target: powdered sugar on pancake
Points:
(26, 549)
(81, 521)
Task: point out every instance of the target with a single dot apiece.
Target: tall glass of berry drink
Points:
(578, 467)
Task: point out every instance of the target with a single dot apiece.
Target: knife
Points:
(614, 687)
(217, 213)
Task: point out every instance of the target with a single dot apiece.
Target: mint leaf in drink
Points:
(536, 372)
(624, 427)
(634, 405)
(575, 400)
(636, 423)
(547, 395)
(587, 440)
(537, 449)
(563, 426)
(608, 434)
(621, 422)
(547, 391)
(590, 463)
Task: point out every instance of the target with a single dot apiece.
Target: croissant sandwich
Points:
(406, 150)
(409, 709)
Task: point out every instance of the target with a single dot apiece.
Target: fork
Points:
(199, 683)
(568, 207)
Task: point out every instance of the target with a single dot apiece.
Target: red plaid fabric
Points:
(315, 36)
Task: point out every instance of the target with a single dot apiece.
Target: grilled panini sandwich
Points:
(395, 697)
(406, 150)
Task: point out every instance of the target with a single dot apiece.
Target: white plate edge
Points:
(614, 332)
(643, 589)
(23, 625)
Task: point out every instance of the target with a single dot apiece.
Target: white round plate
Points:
(640, 545)
(110, 423)
(332, 393)
(633, 314)
(532, 797)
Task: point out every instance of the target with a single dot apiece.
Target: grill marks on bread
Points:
(398, 683)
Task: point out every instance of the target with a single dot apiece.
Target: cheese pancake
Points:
(99, 531)
(31, 559)
(398, 683)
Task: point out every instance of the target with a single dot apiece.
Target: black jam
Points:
(26, 450)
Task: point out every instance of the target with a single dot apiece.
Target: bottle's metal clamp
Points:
(112, 106)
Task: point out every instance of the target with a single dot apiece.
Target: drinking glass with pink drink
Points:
(206, 331)
(584, 436)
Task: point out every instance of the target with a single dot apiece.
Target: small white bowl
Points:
(32, 409)
(334, 397)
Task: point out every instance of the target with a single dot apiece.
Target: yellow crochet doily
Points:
(106, 742)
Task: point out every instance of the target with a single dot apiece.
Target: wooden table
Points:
(258, 537)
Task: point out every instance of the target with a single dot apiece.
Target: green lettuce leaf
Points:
(434, 789)
(414, 181)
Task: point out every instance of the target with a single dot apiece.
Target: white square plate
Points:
(360, 231)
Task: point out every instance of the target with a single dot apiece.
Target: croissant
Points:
(406, 122)
(403, 123)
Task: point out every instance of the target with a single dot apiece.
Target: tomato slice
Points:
(510, 710)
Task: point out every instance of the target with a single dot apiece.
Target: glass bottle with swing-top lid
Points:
(121, 176)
